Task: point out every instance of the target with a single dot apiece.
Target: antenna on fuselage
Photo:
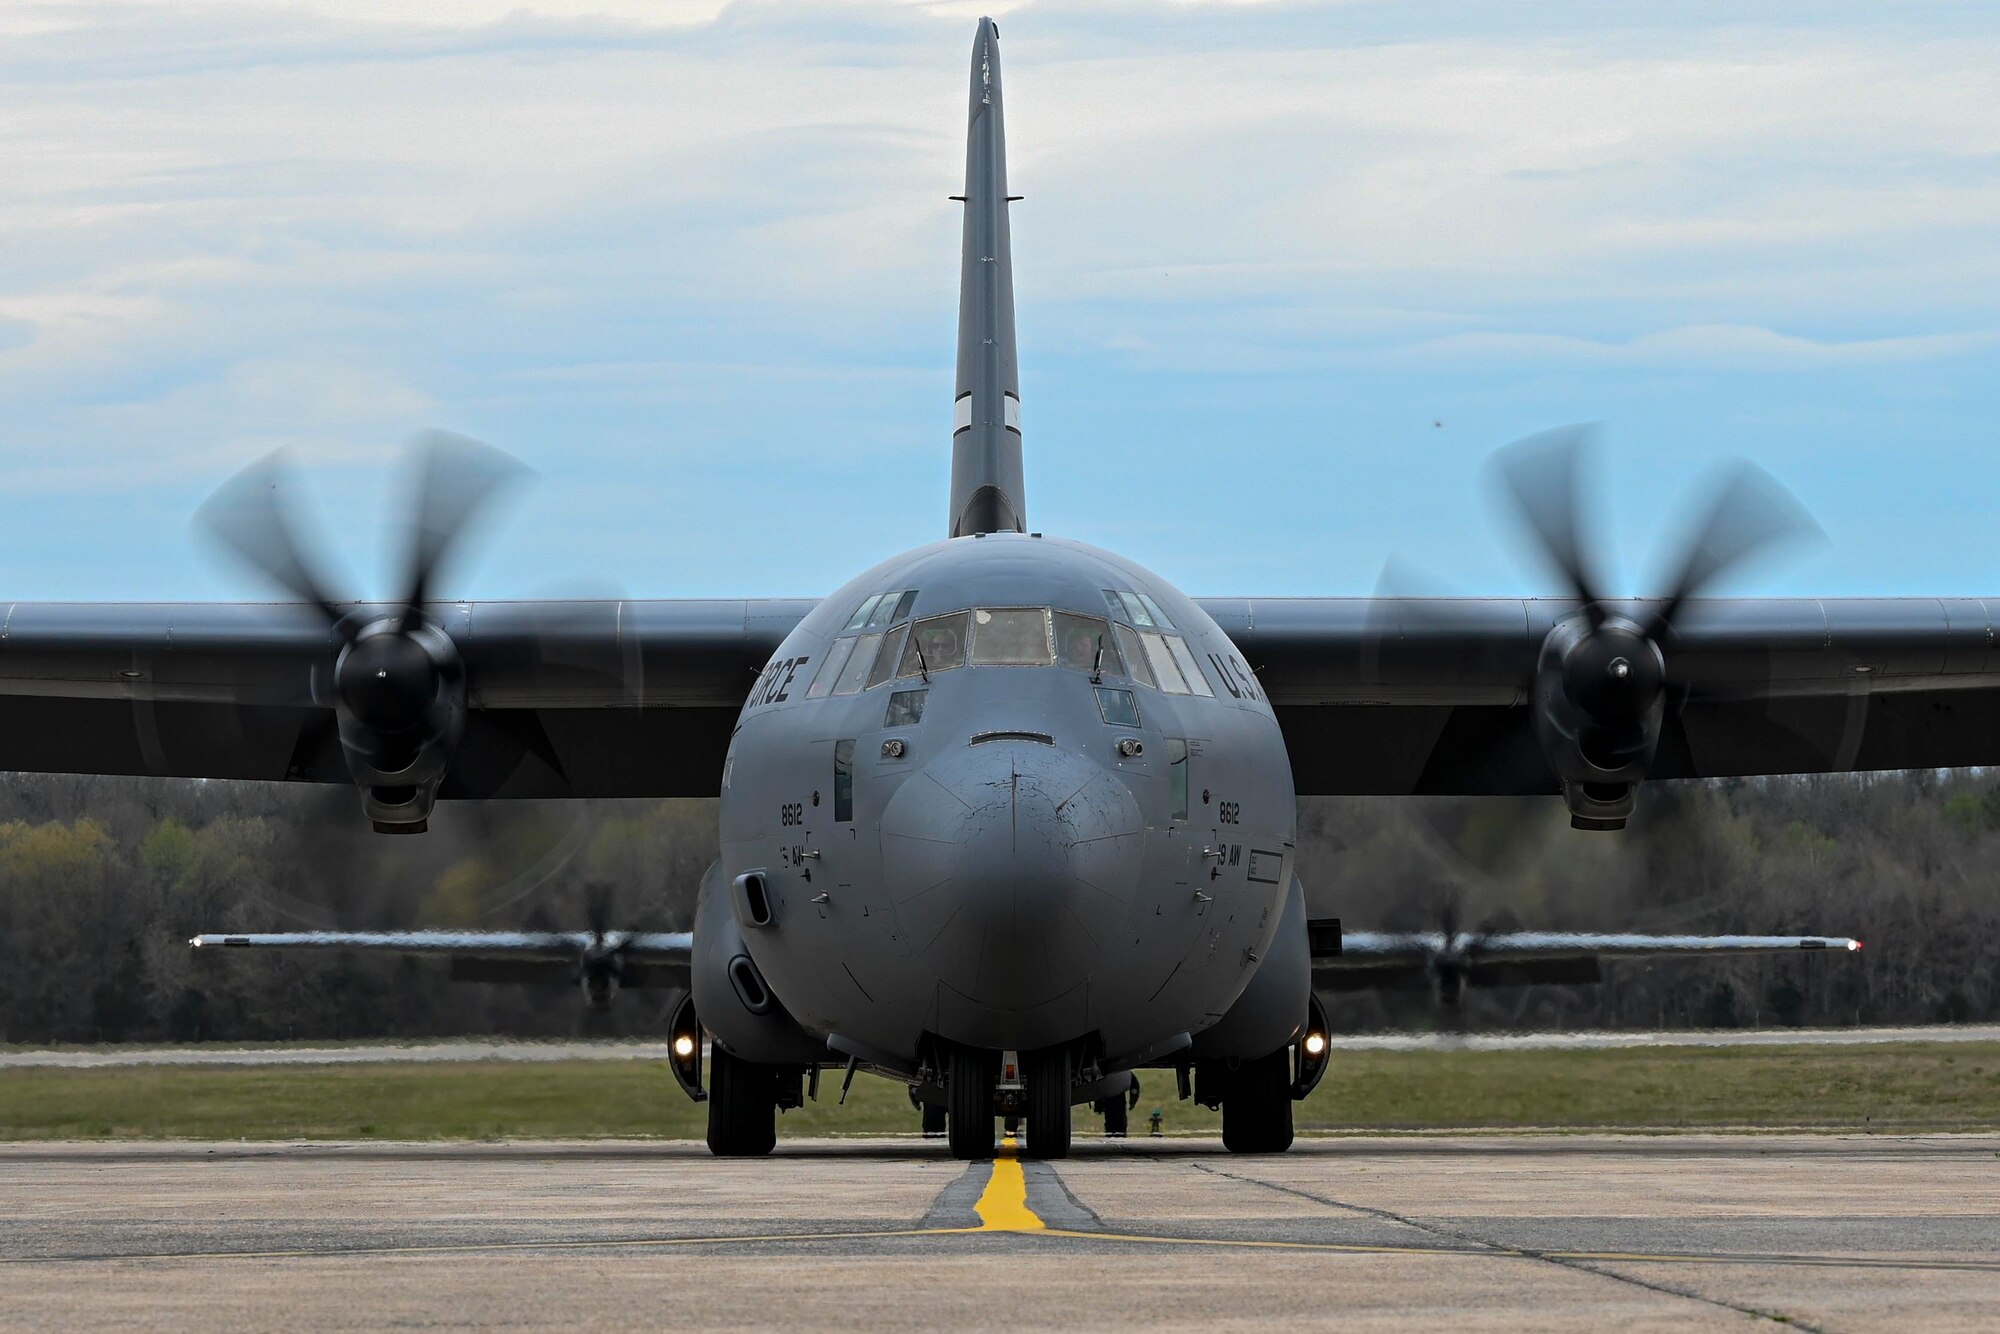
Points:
(987, 492)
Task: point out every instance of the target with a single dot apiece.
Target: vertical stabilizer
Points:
(986, 488)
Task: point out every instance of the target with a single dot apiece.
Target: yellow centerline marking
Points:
(1003, 1205)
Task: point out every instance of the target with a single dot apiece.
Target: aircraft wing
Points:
(1384, 696)
(1367, 959)
(564, 699)
(644, 958)
(1390, 696)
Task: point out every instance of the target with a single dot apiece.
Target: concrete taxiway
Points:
(1549, 1232)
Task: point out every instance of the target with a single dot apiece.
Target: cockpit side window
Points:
(906, 708)
(1011, 637)
(863, 612)
(1159, 617)
(885, 660)
(1128, 607)
(1135, 656)
(1161, 659)
(855, 675)
(1190, 668)
(935, 645)
(830, 668)
(1085, 643)
(885, 609)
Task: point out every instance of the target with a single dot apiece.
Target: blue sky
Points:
(696, 266)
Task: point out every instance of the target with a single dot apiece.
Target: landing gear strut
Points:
(934, 1119)
(742, 1106)
(1115, 1116)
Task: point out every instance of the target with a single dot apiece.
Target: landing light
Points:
(1315, 1044)
(684, 1046)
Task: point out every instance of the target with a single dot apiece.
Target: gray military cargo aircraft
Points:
(1006, 817)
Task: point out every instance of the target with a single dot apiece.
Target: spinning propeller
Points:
(397, 684)
(600, 967)
(1601, 678)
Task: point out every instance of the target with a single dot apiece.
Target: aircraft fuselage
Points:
(1010, 792)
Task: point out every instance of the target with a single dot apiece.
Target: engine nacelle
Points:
(1599, 702)
(399, 700)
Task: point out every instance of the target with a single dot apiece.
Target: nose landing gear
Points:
(969, 1078)
(1047, 1076)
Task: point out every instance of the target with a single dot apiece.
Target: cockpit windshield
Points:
(1011, 637)
(1008, 637)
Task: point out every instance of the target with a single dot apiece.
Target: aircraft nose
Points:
(1013, 865)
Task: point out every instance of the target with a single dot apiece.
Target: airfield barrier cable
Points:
(1503, 1249)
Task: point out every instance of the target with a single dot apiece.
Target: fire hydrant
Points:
(1156, 1120)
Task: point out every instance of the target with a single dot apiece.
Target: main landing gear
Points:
(1116, 1112)
(1257, 1105)
(744, 1099)
(742, 1106)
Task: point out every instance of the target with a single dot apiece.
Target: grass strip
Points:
(1920, 1086)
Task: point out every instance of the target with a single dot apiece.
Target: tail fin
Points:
(987, 494)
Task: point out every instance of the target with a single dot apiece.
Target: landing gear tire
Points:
(1046, 1074)
(742, 1106)
(1010, 1125)
(970, 1076)
(1257, 1109)
(934, 1119)
(1115, 1116)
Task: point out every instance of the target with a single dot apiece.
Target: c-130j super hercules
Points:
(1006, 817)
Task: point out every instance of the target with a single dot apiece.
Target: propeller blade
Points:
(1540, 474)
(1749, 512)
(456, 478)
(247, 515)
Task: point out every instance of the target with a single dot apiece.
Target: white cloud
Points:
(1717, 347)
(685, 231)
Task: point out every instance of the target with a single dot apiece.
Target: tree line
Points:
(102, 881)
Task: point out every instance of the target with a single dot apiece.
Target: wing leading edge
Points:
(600, 962)
(1366, 960)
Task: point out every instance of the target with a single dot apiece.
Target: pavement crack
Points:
(1054, 1202)
(954, 1205)
(1501, 1248)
